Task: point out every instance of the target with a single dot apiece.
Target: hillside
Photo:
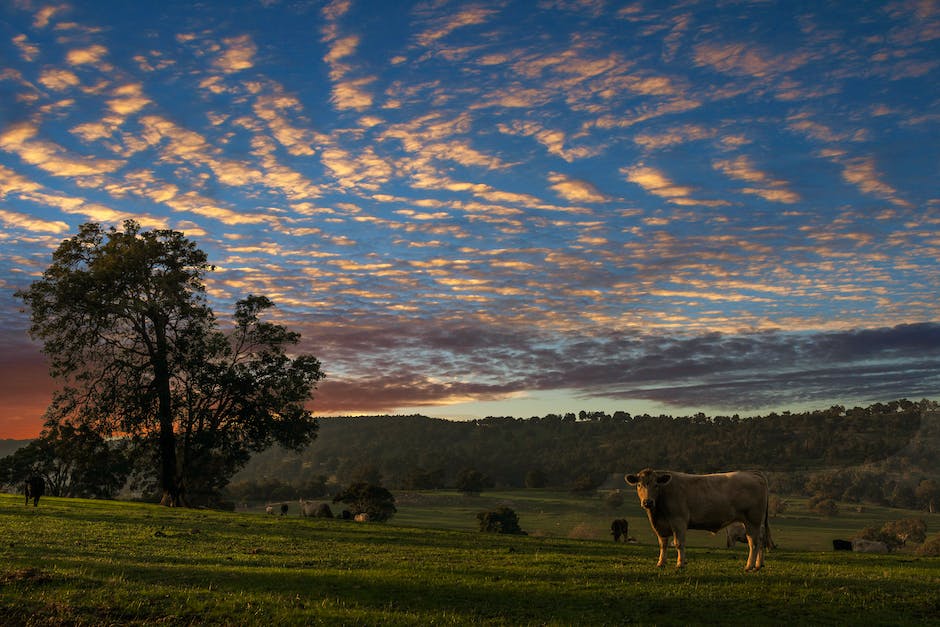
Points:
(899, 440)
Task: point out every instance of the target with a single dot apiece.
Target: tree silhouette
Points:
(137, 351)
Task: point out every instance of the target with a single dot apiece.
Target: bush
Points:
(823, 506)
(930, 548)
(913, 530)
(897, 533)
(502, 520)
(472, 482)
(367, 498)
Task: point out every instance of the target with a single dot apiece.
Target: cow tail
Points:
(768, 540)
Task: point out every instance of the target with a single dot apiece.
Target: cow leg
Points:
(759, 561)
(663, 543)
(680, 547)
(755, 544)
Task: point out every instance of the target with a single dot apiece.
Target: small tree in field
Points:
(138, 353)
(366, 498)
(502, 520)
(472, 482)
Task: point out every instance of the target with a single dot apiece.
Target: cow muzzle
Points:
(648, 503)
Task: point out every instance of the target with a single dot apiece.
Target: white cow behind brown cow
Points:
(676, 502)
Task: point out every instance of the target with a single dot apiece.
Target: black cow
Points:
(619, 528)
(841, 545)
(34, 488)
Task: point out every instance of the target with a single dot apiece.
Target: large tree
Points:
(138, 352)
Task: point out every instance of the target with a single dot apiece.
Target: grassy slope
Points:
(94, 562)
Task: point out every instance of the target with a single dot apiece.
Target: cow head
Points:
(648, 482)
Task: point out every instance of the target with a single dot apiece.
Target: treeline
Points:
(880, 453)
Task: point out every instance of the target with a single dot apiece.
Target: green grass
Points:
(80, 562)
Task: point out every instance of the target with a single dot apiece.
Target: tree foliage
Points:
(130, 337)
(500, 520)
(367, 498)
(852, 454)
(73, 461)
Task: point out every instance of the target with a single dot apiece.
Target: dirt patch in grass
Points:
(24, 575)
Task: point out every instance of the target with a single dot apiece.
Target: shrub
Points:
(502, 520)
(930, 548)
(367, 498)
(900, 532)
(825, 507)
(472, 482)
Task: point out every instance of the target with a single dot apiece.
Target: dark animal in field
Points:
(841, 545)
(735, 533)
(34, 488)
(283, 509)
(619, 528)
(676, 502)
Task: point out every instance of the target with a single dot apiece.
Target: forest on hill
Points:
(887, 452)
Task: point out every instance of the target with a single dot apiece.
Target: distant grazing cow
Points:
(34, 488)
(619, 528)
(676, 502)
(269, 509)
(307, 508)
(869, 546)
(735, 533)
(283, 509)
(841, 545)
(363, 517)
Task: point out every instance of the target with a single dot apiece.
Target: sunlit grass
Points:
(96, 562)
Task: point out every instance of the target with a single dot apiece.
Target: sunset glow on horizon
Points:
(504, 207)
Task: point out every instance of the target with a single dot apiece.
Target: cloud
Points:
(674, 137)
(746, 59)
(57, 79)
(863, 173)
(575, 190)
(237, 54)
(20, 139)
(444, 26)
(31, 223)
(655, 182)
(743, 169)
(731, 372)
(45, 14)
(28, 51)
(86, 56)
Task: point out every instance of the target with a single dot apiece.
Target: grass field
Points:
(80, 562)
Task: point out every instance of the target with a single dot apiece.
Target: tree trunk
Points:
(170, 480)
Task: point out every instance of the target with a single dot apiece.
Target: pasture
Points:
(81, 562)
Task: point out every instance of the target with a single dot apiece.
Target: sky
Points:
(504, 207)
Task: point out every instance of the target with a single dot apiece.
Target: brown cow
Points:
(676, 502)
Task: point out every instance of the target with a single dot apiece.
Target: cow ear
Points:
(632, 479)
(663, 479)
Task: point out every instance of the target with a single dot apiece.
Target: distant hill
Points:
(413, 452)
(8, 447)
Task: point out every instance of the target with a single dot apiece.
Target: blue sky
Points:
(489, 208)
